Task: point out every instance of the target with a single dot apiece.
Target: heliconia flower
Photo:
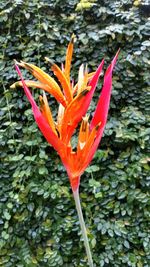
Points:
(74, 100)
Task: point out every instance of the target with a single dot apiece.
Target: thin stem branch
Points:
(83, 227)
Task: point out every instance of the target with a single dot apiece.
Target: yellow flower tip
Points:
(13, 86)
(72, 38)
(86, 69)
(48, 60)
(16, 62)
(41, 99)
(85, 118)
(26, 65)
(21, 63)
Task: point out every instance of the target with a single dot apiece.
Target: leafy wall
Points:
(38, 221)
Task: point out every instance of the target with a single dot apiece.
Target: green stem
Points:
(83, 228)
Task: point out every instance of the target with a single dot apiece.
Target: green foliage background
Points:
(38, 221)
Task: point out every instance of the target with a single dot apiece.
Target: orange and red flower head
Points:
(74, 100)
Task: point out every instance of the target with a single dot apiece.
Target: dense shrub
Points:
(38, 221)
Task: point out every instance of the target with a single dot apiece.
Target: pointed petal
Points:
(83, 134)
(52, 87)
(101, 111)
(93, 148)
(46, 112)
(30, 83)
(40, 120)
(89, 77)
(90, 141)
(94, 81)
(60, 115)
(80, 78)
(69, 58)
(82, 155)
(63, 80)
(83, 79)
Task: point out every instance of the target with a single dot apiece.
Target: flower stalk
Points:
(83, 227)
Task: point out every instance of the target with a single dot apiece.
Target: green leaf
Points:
(43, 170)
(7, 215)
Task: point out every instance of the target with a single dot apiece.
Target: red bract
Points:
(74, 101)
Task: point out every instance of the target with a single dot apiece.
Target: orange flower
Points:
(74, 101)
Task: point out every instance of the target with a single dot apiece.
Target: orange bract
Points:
(45, 110)
(69, 58)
